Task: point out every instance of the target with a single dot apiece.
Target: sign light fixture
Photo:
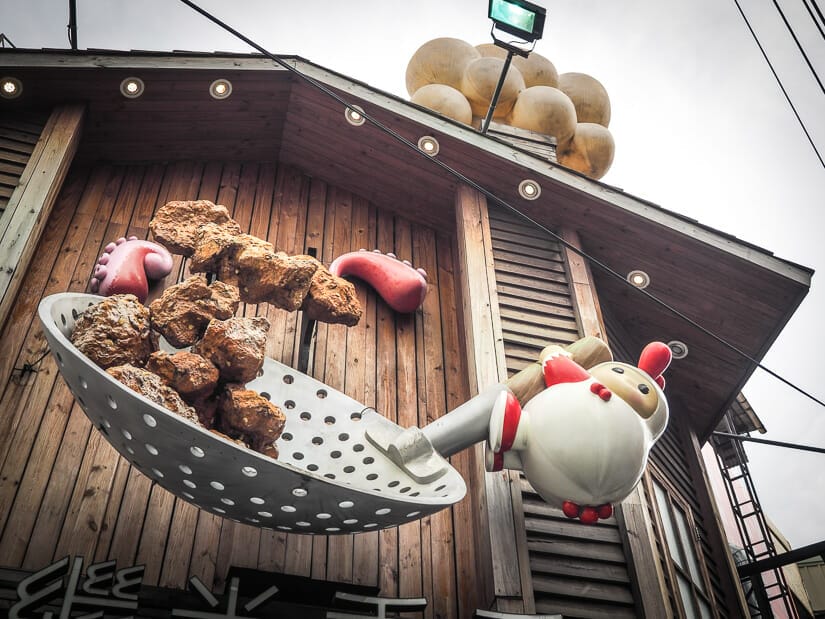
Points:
(519, 18)
(522, 20)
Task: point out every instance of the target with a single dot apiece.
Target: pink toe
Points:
(110, 248)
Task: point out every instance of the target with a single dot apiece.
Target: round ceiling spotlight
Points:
(132, 87)
(11, 87)
(678, 349)
(220, 89)
(640, 279)
(429, 145)
(529, 190)
(355, 115)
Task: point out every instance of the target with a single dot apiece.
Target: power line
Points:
(811, 6)
(799, 45)
(781, 86)
(489, 195)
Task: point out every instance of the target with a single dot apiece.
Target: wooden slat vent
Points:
(534, 298)
(577, 570)
(18, 135)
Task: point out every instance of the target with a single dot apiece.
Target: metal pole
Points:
(496, 94)
(764, 441)
(73, 23)
(781, 560)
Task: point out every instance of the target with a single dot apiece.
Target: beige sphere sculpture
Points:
(546, 110)
(489, 50)
(589, 152)
(440, 61)
(589, 97)
(479, 84)
(535, 69)
(445, 100)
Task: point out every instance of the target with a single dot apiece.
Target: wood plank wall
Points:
(64, 490)
(577, 570)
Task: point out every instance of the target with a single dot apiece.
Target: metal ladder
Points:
(767, 590)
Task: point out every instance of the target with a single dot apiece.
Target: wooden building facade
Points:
(83, 165)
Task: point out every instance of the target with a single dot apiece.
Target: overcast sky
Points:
(700, 124)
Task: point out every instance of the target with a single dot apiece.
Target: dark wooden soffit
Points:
(740, 292)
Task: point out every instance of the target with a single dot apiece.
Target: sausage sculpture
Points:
(127, 265)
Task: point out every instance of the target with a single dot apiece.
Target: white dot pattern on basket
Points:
(329, 478)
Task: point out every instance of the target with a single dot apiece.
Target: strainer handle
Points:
(464, 426)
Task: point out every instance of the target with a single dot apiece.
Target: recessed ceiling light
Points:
(640, 279)
(678, 349)
(220, 88)
(355, 115)
(429, 145)
(529, 190)
(132, 87)
(10, 87)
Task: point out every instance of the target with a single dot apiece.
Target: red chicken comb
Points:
(654, 360)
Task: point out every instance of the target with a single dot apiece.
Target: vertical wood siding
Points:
(577, 570)
(65, 490)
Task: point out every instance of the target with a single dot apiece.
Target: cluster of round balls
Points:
(458, 80)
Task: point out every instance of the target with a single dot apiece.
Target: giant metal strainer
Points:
(340, 469)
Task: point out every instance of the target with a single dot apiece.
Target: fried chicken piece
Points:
(115, 331)
(236, 346)
(246, 414)
(184, 310)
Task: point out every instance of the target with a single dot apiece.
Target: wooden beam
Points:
(633, 514)
(486, 364)
(31, 203)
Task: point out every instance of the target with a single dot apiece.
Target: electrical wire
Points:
(781, 86)
(817, 22)
(489, 195)
(799, 45)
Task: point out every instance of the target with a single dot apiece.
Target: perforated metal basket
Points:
(328, 479)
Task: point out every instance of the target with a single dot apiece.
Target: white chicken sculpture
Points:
(584, 440)
(579, 425)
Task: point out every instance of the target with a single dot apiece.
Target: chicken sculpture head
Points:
(583, 441)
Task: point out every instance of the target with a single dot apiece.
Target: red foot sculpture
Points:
(401, 286)
(127, 265)
(587, 514)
